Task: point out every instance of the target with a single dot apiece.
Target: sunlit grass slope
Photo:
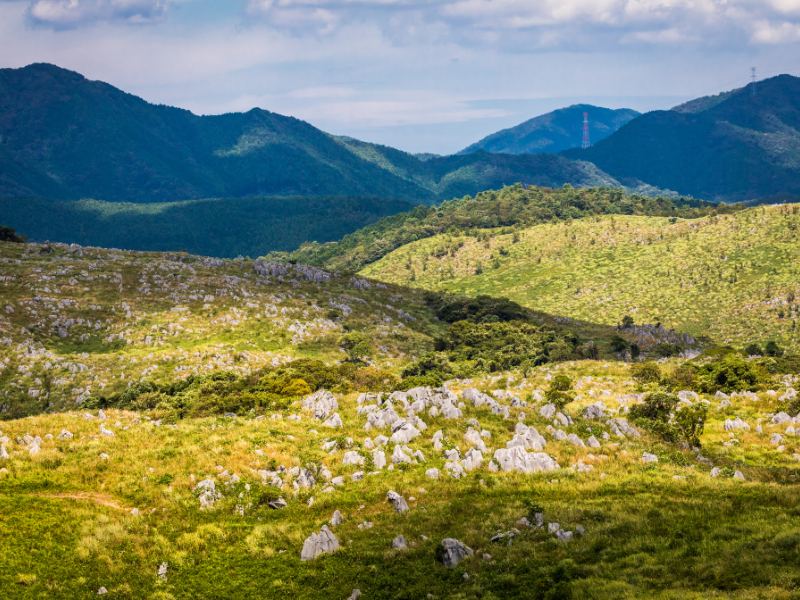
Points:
(98, 511)
(735, 277)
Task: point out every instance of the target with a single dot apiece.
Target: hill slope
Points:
(73, 138)
(512, 205)
(222, 227)
(555, 131)
(733, 277)
(740, 145)
(64, 137)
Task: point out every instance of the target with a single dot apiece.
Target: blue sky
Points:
(420, 75)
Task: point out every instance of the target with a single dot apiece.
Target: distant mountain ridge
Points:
(65, 137)
(738, 145)
(555, 131)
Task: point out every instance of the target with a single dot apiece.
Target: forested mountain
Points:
(65, 137)
(739, 145)
(555, 131)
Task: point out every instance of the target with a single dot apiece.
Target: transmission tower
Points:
(586, 142)
(753, 81)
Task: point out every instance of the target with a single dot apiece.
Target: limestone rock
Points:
(318, 544)
(517, 459)
(397, 501)
(451, 552)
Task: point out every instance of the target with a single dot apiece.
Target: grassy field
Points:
(111, 501)
(98, 511)
(735, 277)
(77, 321)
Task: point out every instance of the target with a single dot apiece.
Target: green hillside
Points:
(166, 433)
(732, 277)
(739, 145)
(515, 205)
(555, 131)
(82, 324)
(223, 227)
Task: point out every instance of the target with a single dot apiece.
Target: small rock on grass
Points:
(451, 551)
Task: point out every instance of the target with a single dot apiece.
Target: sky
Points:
(424, 76)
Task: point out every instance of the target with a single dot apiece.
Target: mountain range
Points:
(65, 137)
(739, 145)
(555, 131)
(82, 161)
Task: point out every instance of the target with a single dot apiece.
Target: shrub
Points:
(731, 373)
(753, 350)
(682, 377)
(7, 234)
(356, 346)
(661, 414)
(646, 372)
(772, 349)
(689, 422)
(656, 407)
(560, 391)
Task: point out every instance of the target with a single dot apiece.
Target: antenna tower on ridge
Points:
(586, 142)
(753, 81)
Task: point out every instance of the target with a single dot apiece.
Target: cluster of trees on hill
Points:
(510, 206)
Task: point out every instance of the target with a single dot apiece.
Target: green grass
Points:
(662, 531)
(99, 320)
(515, 205)
(731, 277)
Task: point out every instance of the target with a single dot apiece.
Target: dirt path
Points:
(95, 497)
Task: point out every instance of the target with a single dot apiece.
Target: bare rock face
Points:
(322, 403)
(397, 501)
(736, 424)
(517, 459)
(451, 551)
(318, 544)
(207, 493)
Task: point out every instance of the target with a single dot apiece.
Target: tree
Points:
(7, 234)
(772, 349)
(357, 347)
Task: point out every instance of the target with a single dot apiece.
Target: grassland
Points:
(80, 321)
(663, 530)
(108, 500)
(732, 277)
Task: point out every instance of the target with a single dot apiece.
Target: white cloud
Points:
(766, 32)
(72, 13)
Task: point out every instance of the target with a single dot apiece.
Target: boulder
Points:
(450, 552)
(321, 403)
(318, 544)
(397, 501)
(378, 459)
(517, 459)
(277, 504)
(207, 493)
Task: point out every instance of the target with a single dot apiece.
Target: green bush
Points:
(753, 350)
(560, 391)
(356, 346)
(731, 373)
(646, 372)
(656, 407)
(661, 414)
(772, 349)
(689, 422)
